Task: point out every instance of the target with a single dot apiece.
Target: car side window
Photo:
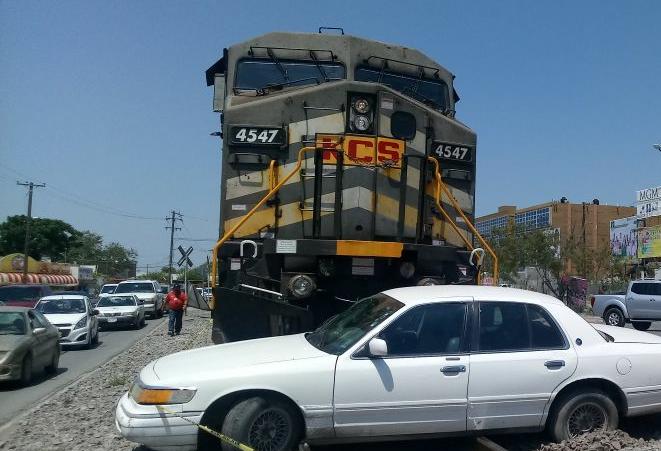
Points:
(544, 331)
(42, 319)
(655, 289)
(641, 288)
(427, 330)
(35, 322)
(503, 327)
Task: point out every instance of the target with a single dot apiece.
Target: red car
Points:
(23, 295)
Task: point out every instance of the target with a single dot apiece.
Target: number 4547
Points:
(455, 152)
(251, 135)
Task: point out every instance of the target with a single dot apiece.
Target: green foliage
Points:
(48, 237)
(63, 243)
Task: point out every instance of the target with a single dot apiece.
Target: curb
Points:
(7, 428)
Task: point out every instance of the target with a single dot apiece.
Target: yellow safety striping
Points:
(208, 430)
(369, 248)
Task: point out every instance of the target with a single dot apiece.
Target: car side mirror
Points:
(377, 347)
(39, 330)
(95, 312)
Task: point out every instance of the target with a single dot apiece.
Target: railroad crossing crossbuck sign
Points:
(184, 256)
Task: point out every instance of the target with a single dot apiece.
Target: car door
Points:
(418, 387)
(520, 355)
(640, 300)
(42, 348)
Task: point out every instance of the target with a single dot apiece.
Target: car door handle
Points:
(651, 300)
(554, 364)
(454, 369)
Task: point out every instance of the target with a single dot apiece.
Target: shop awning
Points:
(8, 278)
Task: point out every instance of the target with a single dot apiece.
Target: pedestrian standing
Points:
(177, 302)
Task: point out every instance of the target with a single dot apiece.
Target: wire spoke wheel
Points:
(586, 417)
(270, 431)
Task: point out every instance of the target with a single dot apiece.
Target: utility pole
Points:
(175, 216)
(31, 186)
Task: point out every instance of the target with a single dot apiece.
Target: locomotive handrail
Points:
(441, 186)
(229, 233)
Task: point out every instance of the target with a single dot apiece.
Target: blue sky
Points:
(106, 102)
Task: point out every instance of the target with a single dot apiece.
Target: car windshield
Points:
(60, 306)
(344, 330)
(258, 74)
(19, 293)
(12, 323)
(108, 288)
(117, 301)
(432, 92)
(137, 287)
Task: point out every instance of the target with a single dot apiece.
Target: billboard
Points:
(649, 242)
(623, 239)
(648, 202)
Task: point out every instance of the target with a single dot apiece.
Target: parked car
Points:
(405, 363)
(640, 305)
(74, 317)
(121, 310)
(148, 291)
(23, 295)
(28, 343)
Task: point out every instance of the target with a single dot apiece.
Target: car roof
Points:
(62, 296)
(137, 280)
(113, 284)
(12, 309)
(420, 295)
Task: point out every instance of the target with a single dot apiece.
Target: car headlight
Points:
(151, 396)
(81, 323)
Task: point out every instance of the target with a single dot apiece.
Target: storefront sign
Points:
(648, 202)
(649, 242)
(623, 239)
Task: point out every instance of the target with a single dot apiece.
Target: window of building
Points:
(433, 329)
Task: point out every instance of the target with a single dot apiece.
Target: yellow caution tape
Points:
(208, 430)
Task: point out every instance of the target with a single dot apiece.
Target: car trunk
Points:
(624, 335)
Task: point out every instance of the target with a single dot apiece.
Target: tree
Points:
(84, 247)
(48, 237)
(116, 260)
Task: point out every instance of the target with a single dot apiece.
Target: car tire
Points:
(641, 325)
(614, 317)
(26, 370)
(136, 324)
(247, 420)
(55, 362)
(143, 322)
(582, 412)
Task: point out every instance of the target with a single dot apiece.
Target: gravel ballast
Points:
(82, 416)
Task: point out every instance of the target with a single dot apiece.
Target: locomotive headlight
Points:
(361, 105)
(407, 269)
(301, 286)
(427, 282)
(361, 123)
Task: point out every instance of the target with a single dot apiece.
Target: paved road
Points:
(73, 364)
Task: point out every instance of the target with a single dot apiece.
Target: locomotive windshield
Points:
(258, 73)
(431, 92)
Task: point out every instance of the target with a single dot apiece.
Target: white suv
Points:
(148, 291)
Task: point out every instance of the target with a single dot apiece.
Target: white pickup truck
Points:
(640, 305)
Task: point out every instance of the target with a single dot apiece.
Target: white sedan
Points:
(406, 363)
(74, 317)
(121, 310)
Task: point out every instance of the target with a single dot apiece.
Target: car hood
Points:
(125, 309)
(624, 335)
(235, 355)
(144, 296)
(11, 342)
(64, 318)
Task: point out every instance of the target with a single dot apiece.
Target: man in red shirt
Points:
(177, 302)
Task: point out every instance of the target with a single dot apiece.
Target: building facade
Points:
(587, 222)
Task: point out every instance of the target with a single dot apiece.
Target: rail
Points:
(440, 186)
(274, 189)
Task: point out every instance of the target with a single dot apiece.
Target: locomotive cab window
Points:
(260, 73)
(433, 92)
